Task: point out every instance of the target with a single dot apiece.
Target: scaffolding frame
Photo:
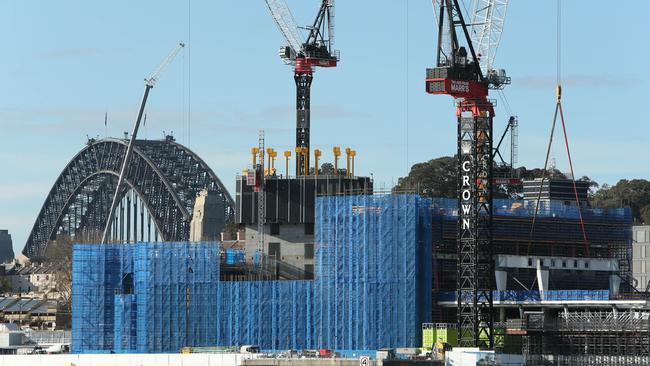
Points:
(589, 333)
(372, 288)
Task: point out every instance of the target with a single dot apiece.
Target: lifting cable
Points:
(558, 108)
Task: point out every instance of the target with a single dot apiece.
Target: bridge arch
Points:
(165, 176)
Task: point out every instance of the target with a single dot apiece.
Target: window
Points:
(127, 284)
(309, 271)
(563, 264)
(309, 251)
(530, 262)
(575, 264)
(309, 229)
(552, 262)
(586, 264)
(275, 229)
(274, 250)
(47, 277)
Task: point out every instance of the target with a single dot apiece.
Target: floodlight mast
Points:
(148, 85)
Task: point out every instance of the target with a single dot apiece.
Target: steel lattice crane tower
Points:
(458, 73)
(304, 55)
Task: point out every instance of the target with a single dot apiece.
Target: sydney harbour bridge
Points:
(156, 201)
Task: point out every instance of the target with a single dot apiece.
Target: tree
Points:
(645, 214)
(327, 169)
(434, 178)
(231, 230)
(59, 255)
(5, 284)
(593, 185)
(634, 193)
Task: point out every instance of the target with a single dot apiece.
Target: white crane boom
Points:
(286, 23)
(487, 26)
(148, 85)
(330, 23)
(153, 78)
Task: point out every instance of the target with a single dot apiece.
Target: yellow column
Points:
(337, 153)
(254, 152)
(287, 154)
(347, 161)
(317, 154)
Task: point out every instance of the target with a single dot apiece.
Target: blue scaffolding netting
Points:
(372, 288)
(144, 297)
(373, 270)
(556, 209)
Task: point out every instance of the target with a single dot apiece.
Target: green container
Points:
(447, 335)
(428, 336)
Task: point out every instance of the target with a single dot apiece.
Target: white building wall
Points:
(41, 282)
(641, 255)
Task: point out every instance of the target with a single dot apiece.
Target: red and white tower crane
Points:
(467, 76)
(304, 55)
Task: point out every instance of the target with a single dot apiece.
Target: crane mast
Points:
(458, 73)
(315, 51)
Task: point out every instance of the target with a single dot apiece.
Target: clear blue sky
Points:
(65, 63)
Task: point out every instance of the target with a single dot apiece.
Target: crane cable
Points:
(558, 108)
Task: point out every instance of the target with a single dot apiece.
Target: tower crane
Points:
(305, 54)
(459, 72)
(148, 85)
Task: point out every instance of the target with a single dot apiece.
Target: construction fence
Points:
(371, 289)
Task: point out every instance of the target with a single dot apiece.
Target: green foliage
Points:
(5, 284)
(231, 229)
(434, 178)
(438, 177)
(634, 193)
(327, 169)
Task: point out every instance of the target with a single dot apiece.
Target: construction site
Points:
(308, 264)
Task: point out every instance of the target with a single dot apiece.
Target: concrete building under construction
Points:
(559, 290)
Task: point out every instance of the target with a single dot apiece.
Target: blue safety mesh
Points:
(125, 323)
(145, 297)
(558, 209)
(96, 276)
(372, 288)
(371, 259)
(176, 295)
